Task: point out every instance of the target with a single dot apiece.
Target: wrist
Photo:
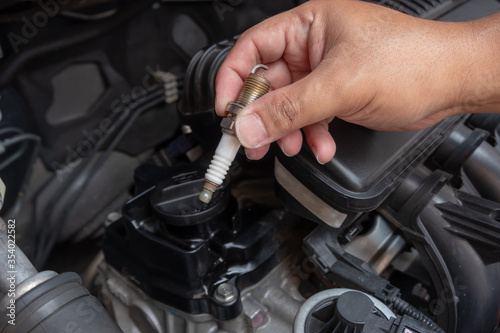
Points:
(481, 76)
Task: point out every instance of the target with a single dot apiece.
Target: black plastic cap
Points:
(175, 200)
(353, 308)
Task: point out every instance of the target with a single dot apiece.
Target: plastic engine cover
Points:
(367, 167)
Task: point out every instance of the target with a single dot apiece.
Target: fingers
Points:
(279, 42)
(286, 110)
(298, 96)
(237, 66)
(229, 83)
(317, 136)
(258, 153)
(227, 87)
(320, 141)
(290, 144)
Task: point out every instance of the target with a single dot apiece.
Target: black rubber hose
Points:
(58, 303)
(402, 307)
(85, 33)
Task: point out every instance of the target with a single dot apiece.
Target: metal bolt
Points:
(225, 293)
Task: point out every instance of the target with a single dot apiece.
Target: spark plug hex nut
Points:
(227, 124)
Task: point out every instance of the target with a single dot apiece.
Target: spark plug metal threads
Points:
(255, 86)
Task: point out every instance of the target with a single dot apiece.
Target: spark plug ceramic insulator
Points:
(254, 87)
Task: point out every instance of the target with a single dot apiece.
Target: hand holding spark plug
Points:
(255, 86)
(363, 63)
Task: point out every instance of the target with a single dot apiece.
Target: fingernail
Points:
(246, 154)
(284, 151)
(317, 159)
(251, 130)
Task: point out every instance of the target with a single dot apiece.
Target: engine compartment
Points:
(108, 125)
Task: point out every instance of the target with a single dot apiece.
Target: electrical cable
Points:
(68, 182)
(402, 307)
(89, 17)
(19, 138)
(23, 138)
(102, 159)
(180, 79)
(18, 152)
(157, 94)
(27, 174)
(10, 129)
(38, 248)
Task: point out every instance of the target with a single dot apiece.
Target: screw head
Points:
(225, 293)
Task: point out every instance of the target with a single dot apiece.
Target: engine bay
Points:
(107, 129)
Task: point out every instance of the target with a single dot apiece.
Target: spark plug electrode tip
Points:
(205, 196)
(264, 67)
(207, 191)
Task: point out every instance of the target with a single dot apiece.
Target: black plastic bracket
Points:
(322, 246)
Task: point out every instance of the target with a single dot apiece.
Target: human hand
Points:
(361, 62)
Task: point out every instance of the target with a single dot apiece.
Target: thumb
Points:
(285, 110)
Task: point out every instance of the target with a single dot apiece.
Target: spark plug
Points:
(255, 86)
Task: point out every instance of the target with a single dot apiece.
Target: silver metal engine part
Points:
(273, 302)
(378, 246)
(268, 306)
(136, 312)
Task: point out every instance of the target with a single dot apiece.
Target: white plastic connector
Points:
(224, 155)
(169, 81)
